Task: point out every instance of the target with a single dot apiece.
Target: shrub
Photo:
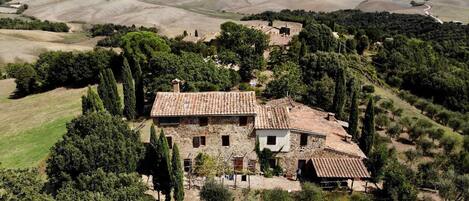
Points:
(25, 79)
(448, 143)
(382, 121)
(394, 130)
(455, 123)
(276, 194)
(368, 89)
(26, 184)
(213, 191)
(425, 145)
(310, 192)
(436, 134)
(411, 155)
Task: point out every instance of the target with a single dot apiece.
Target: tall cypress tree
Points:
(340, 94)
(162, 176)
(367, 137)
(354, 114)
(91, 102)
(178, 176)
(139, 92)
(107, 90)
(129, 91)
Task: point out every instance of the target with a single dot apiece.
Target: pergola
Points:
(334, 170)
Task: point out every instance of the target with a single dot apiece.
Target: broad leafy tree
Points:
(287, 82)
(92, 141)
(142, 46)
(318, 37)
(25, 184)
(101, 185)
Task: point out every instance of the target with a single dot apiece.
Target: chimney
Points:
(331, 116)
(176, 87)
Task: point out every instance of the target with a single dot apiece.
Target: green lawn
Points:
(29, 126)
(30, 147)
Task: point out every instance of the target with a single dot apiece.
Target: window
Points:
(252, 165)
(187, 165)
(203, 121)
(243, 121)
(303, 140)
(169, 120)
(271, 140)
(238, 164)
(170, 141)
(198, 141)
(225, 140)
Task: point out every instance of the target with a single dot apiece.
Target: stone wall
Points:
(289, 161)
(242, 138)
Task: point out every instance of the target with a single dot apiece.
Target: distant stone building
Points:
(226, 125)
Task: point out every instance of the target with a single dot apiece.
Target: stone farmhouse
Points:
(227, 124)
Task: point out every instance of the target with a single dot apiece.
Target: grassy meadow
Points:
(29, 126)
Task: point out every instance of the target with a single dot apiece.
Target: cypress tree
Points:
(340, 94)
(178, 176)
(354, 114)
(129, 91)
(368, 133)
(148, 164)
(162, 177)
(107, 90)
(91, 102)
(139, 92)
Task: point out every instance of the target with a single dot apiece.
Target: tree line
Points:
(33, 24)
(58, 69)
(114, 32)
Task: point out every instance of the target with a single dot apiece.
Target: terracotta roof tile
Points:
(272, 118)
(169, 104)
(340, 168)
(310, 120)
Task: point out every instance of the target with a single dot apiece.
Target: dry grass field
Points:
(26, 45)
(172, 17)
(446, 10)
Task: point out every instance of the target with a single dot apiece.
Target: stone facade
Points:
(241, 138)
(289, 160)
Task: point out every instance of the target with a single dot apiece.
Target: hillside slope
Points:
(31, 125)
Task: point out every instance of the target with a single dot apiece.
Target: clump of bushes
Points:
(33, 24)
(213, 191)
(114, 32)
(58, 69)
